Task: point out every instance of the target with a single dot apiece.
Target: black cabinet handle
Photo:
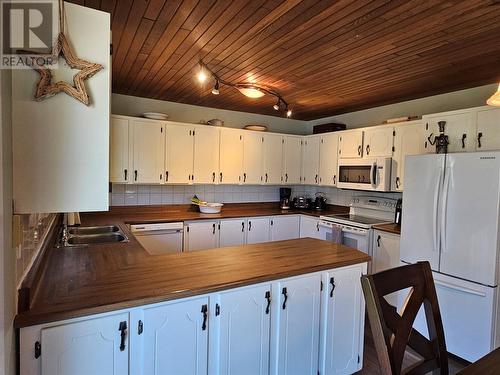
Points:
(285, 294)
(332, 283)
(166, 176)
(359, 150)
(378, 240)
(464, 136)
(286, 177)
(397, 182)
(213, 177)
(266, 177)
(479, 135)
(249, 226)
(123, 334)
(220, 176)
(217, 309)
(242, 226)
(125, 172)
(244, 177)
(213, 225)
(140, 327)
(204, 311)
(135, 175)
(367, 149)
(335, 179)
(268, 297)
(316, 179)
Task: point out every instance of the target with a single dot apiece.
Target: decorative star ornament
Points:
(46, 88)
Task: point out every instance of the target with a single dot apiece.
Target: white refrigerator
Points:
(451, 208)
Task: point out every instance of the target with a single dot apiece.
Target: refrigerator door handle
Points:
(435, 223)
(444, 204)
(459, 288)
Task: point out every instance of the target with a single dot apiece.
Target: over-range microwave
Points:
(365, 174)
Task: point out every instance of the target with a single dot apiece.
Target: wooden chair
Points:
(393, 332)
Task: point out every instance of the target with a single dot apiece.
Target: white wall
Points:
(7, 256)
(474, 97)
(134, 106)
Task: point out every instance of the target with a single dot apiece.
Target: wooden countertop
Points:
(76, 282)
(390, 228)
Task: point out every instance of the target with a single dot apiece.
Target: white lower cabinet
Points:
(385, 250)
(175, 338)
(342, 322)
(285, 227)
(309, 227)
(201, 235)
(286, 326)
(298, 337)
(258, 230)
(232, 232)
(242, 321)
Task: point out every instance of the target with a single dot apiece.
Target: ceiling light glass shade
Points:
(251, 92)
(495, 98)
(202, 77)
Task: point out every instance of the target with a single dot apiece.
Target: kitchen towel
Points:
(336, 234)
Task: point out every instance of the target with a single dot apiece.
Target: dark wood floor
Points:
(370, 361)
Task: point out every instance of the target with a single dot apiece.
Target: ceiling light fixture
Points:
(215, 90)
(494, 100)
(250, 90)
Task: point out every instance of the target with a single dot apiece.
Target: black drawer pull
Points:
(123, 334)
(332, 283)
(204, 311)
(268, 297)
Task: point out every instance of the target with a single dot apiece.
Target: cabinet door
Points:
(119, 169)
(231, 156)
(232, 232)
(298, 338)
(149, 150)
(245, 331)
(285, 228)
(252, 158)
(310, 160)
(351, 144)
(328, 156)
(201, 235)
(460, 129)
(179, 154)
(273, 159)
(206, 155)
(258, 230)
(292, 160)
(488, 123)
(379, 141)
(309, 227)
(87, 347)
(175, 338)
(344, 321)
(407, 141)
(385, 251)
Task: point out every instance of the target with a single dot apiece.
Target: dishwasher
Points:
(159, 238)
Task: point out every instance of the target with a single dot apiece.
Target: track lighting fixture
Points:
(215, 90)
(249, 90)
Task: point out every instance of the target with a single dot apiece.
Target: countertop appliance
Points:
(159, 238)
(452, 209)
(320, 201)
(285, 194)
(356, 226)
(302, 202)
(365, 174)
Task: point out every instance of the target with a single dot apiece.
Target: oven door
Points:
(365, 174)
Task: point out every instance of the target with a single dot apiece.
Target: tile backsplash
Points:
(134, 195)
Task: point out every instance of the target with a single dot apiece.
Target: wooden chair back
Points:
(392, 332)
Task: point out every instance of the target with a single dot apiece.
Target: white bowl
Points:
(211, 208)
(155, 115)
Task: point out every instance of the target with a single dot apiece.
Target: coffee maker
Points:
(285, 194)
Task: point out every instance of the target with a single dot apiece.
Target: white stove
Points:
(354, 229)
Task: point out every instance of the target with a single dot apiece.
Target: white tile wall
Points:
(132, 195)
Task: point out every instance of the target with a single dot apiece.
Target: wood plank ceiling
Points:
(324, 57)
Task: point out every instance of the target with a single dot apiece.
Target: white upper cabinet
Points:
(407, 141)
(187, 322)
(119, 155)
(149, 150)
(232, 232)
(179, 153)
(298, 336)
(252, 158)
(351, 144)
(460, 128)
(92, 346)
(292, 159)
(258, 230)
(231, 156)
(245, 330)
(328, 156)
(273, 159)
(206, 154)
(310, 160)
(488, 126)
(378, 141)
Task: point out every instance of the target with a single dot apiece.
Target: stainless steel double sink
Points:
(84, 236)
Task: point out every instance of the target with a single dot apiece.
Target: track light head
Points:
(288, 112)
(277, 105)
(215, 90)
